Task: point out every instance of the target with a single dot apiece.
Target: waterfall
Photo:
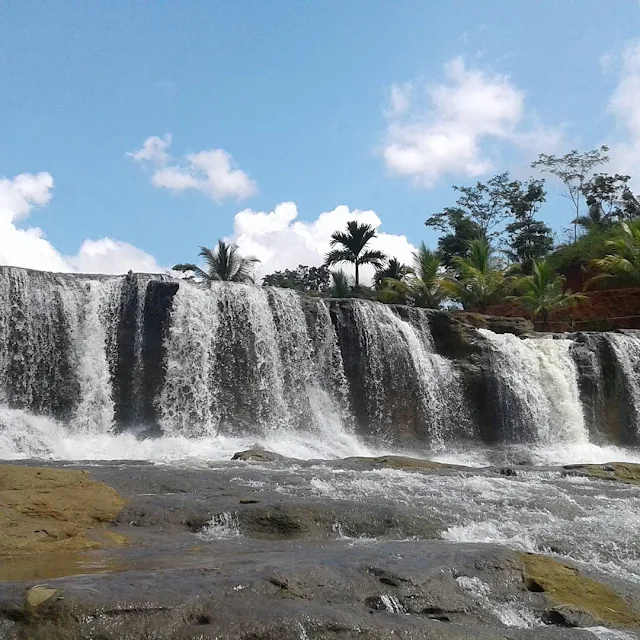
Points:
(406, 384)
(626, 350)
(536, 387)
(111, 360)
(240, 359)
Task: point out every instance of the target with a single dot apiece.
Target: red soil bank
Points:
(603, 310)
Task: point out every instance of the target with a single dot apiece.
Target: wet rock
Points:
(257, 455)
(401, 463)
(507, 471)
(497, 324)
(37, 596)
(454, 338)
(626, 472)
(568, 617)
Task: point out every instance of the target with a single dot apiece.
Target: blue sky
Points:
(377, 105)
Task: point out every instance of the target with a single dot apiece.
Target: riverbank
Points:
(266, 547)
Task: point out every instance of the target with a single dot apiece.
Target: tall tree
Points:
(528, 239)
(458, 230)
(542, 292)
(486, 204)
(225, 263)
(353, 249)
(573, 169)
(610, 200)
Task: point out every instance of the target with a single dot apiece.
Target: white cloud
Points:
(211, 172)
(448, 132)
(624, 105)
(281, 241)
(153, 149)
(28, 247)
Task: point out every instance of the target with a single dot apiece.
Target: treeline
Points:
(493, 247)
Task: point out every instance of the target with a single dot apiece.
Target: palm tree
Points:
(353, 243)
(340, 287)
(428, 286)
(422, 286)
(542, 292)
(479, 281)
(394, 269)
(595, 219)
(225, 263)
(622, 263)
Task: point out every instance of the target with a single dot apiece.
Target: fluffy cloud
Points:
(153, 149)
(447, 133)
(211, 172)
(281, 241)
(624, 105)
(28, 247)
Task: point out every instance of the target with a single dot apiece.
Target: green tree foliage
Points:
(393, 269)
(479, 280)
(542, 292)
(352, 248)
(458, 230)
(423, 287)
(609, 200)
(528, 239)
(340, 286)
(184, 267)
(573, 170)
(225, 263)
(486, 204)
(305, 279)
(622, 262)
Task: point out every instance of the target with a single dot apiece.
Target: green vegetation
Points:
(224, 263)
(352, 248)
(478, 280)
(542, 293)
(305, 279)
(493, 247)
(622, 262)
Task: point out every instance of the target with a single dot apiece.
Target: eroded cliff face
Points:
(113, 354)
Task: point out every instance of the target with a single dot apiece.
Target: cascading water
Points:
(537, 389)
(402, 374)
(90, 364)
(626, 350)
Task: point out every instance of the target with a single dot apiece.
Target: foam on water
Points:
(223, 526)
(541, 513)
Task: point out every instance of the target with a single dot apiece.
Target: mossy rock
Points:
(627, 472)
(565, 586)
(44, 510)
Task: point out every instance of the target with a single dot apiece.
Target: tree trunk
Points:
(545, 321)
(357, 274)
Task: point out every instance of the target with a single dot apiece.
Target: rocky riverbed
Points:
(268, 548)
